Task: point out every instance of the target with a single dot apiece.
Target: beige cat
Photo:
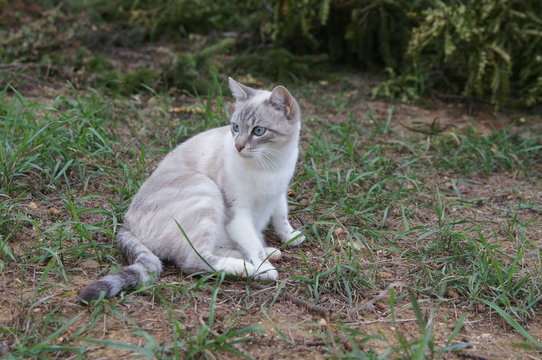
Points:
(222, 187)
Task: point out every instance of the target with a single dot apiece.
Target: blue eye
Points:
(258, 131)
(235, 127)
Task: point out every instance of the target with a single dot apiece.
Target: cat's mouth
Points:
(248, 153)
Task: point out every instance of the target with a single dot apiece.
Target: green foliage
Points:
(369, 34)
(484, 45)
(473, 48)
(405, 87)
(130, 82)
(476, 49)
(192, 70)
(52, 31)
(45, 145)
(280, 64)
(501, 150)
(173, 17)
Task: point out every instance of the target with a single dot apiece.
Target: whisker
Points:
(273, 164)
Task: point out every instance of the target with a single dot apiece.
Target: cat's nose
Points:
(239, 147)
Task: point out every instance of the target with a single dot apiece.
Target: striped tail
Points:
(145, 268)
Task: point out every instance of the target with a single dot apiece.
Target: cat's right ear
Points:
(240, 92)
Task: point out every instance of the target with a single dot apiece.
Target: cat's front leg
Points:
(242, 232)
(282, 226)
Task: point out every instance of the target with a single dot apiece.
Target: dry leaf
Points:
(339, 231)
(32, 205)
(356, 245)
(385, 274)
(250, 80)
(54, 211)
(453, 294)
(187, 110)
(90, 264)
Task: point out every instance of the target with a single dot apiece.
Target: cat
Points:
(205, 206)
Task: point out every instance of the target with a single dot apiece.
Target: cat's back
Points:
(202, 153)
(178, 173)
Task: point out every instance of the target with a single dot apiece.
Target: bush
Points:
(173, 17)
(487, 46)
(471, 47)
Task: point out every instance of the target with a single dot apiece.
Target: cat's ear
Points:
(240, 92)
(282, 100)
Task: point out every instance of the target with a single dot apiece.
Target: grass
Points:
(379, 205)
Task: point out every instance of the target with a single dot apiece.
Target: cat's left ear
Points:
(240, 92)
(282, 100)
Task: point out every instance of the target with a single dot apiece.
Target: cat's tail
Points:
(145, 268)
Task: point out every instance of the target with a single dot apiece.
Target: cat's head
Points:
(263, 122)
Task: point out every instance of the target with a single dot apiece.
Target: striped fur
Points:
(221, 188)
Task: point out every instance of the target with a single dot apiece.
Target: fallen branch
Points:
(379, 321)
(317, 309)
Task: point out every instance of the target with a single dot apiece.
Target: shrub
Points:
(472, 47)
(487, 46)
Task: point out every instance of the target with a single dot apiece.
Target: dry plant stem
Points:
(379, 321)
(370, 304)
(470, 356)
(317, 309)
(17, 66)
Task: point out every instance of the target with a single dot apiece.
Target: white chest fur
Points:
(256, 189)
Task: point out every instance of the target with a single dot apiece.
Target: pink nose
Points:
(239, 147)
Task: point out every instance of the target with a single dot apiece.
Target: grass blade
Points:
(513, 323)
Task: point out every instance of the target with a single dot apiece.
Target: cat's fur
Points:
(222, 187)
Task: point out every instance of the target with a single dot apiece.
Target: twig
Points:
(379, 321)
(370, 304)
(318, 309)
(315, 343)
(17, 66)
(22, 65)
(471, 356)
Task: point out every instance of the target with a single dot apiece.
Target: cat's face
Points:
(263, 121)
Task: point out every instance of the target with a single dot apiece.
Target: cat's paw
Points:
(273, 254)
(294, 238)
(235, 266)
(266, 271)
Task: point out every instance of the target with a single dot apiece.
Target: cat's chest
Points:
(261, 187)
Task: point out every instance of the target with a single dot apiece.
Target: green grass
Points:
(378, 206)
